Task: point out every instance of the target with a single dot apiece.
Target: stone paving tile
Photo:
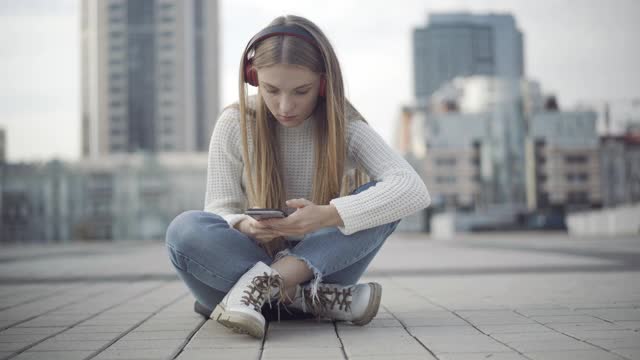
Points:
(462, 344)
(549, 311)
(441, 304)
(23, 312)
(440, 318)
(631, 353)
(219, 354)
(131, 354)
(426, 356)
(544, 346)
(512, 328)
(606, 334)
(589, 326)
(482, 356)
(301, 324)
(14, 295)
(79, 336)
(31, 331)
(315, 353)
(53, 355)
(235, 341)
(301, 339)
(631, 325)
(616, 314)
(618, 343)
(96, 329)
(524, 337)
(500, 320)
(14, 346)
(158, 335)
(127, 344)
(567, 319)
(580, 354)
(443, 330)
(61, 342)
(59, 345)
(380, 341)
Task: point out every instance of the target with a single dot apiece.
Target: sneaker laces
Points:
(259, 291)
(327, 298)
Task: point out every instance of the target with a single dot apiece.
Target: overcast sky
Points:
(583, 51)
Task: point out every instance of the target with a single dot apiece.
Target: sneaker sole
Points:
(238, 322)
(374, 305)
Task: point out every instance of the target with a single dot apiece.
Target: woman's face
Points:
(290, 92)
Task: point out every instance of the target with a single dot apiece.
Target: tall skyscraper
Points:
(149, 75)
(3, 146)
(463, 44)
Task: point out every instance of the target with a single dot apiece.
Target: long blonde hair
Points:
(330, 117)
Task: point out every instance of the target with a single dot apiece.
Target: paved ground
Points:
(497, 296)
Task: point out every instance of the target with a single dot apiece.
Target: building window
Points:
(578, 178)
(578, 197)
(575, 159)
(446, 161)
(445, 179)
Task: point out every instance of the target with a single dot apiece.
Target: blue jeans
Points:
(209, 256)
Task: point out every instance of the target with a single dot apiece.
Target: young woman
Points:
(300, 146)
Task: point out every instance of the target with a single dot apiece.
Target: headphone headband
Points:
(251, 75)
(289, 30)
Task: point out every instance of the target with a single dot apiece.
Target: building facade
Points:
(464, 44)
(563, 161)
(620, 168)
(149, 75)
(124, 196)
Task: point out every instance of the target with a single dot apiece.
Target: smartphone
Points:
(261, 213)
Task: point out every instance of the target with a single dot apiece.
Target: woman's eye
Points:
(302, 92)
(272, 91)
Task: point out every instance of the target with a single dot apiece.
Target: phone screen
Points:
(259, 214)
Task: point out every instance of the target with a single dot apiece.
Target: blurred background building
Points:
(150, 79)
(149, 75)
(464, 44)
(122, 196)
(493, 149)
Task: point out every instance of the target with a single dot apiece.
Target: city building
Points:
(149, 75)
(465, 44)
(122, 196)
(620, 168)
(563, 161)
(3, 146)
(34, 203)
(472, 117)
(453, 167)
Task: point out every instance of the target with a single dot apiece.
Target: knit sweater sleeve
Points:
(225, 195)
(399, 191)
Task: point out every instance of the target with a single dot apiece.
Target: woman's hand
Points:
(308, 218)
(255, 229)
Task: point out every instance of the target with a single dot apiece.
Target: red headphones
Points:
(251, 74)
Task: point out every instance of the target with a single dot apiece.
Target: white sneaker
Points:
(240, 309)
(356, 303)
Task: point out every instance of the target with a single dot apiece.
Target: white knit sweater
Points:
(399, 192)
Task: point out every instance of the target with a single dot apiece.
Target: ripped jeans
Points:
(209, 256)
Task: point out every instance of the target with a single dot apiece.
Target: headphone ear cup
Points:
(250, 74)
(323, 86)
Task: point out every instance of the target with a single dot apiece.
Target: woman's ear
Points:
(323, 85)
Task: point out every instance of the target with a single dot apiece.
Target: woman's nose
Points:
(286, 105)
